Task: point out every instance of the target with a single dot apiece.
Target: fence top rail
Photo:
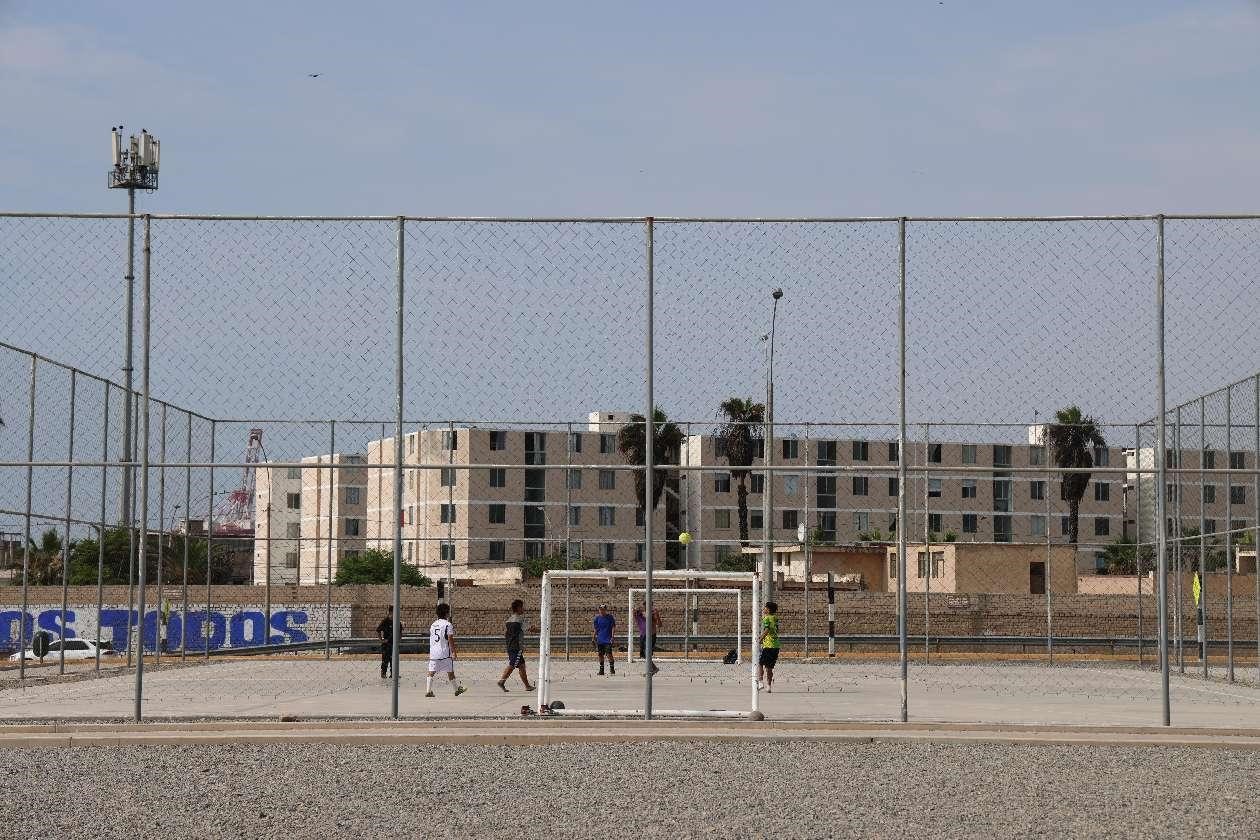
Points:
(662, 574)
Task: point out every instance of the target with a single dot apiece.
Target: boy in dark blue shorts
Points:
(603, 636)
(514, 638)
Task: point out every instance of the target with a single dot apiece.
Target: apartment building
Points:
(501, 498)
(293, 507)
(859, 501)
(1220, 502)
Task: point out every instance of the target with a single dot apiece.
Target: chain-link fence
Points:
(934, 446)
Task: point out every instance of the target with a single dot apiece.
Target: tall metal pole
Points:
(1178, 587)
(332, 531)
(161, 556)
(128, 341)
(1203, 584)
(183, 616)
(207, 629)
(26, 536)
(144, 475)
(767, 495)
(1229, 536)
(1161, 476)
(65, 538)
(649, 464)
(100, 536)
(902, 441)
(396, 632)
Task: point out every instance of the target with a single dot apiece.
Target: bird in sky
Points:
(314, 75)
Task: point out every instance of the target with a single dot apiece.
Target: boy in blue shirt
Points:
(603, 636)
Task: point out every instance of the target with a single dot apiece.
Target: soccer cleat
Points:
(501, 685)
(601, 673)
(429, 694)
(459, 689)
(531, 687)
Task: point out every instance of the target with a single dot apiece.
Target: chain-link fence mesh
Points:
(1034, 523)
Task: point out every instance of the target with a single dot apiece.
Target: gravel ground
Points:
(784, 789)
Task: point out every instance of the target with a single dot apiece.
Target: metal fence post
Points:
(927, 541)
(901, 473)
(1229, 536)
(648, 466)
(183, 617)
(142, 561)
(1255, 539)
(100, 536)
(161, 556)
(396, 631)
(568, 527)
(1202, 616)
(26, 537)
(1137, 535)
(332, 534)
(207, 627)
(1161, 475)
(1178, 587)
(65, 541)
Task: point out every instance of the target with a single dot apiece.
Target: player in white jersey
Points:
(442, 651)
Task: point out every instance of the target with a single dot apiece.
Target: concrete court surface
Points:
(837, 690)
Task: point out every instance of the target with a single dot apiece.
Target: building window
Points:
(293, 530)
(638, 517)
(410, 552)
(1170, 492)
(295, 472)
(791, 484)
(608, 552)
(1102, 456)
(290, 560)
(1209, 494)
(969, 453)
(607, 480)
(1002, 494)
(826, 453)
(498, 552)
(354, 495)
(535, 485)
(892, 485)
(827, 525)
(922, 565)
(1037, 456)
(498, 477)
(354, 527)
(536, 448)
(721, 482)
(450, 440)
(790, 449)
(1037, 490)
(575, 516)
(1001, 455)
(1209, 526)
(1100, 560)
(934, 523)
(969, 523)
(934, 488)
(934, 453)
(639, 554)
(859, 485)
(1102, 526)
(892, 524)
(790, 518)
(1209, 459)
(825, 493)
(861, 522)
(411, 514)
(893, 449)
(968, 488)
(757, 483)
(448, 477)
(1065, 525)
(498, 441)
(756, 520)
(721, 519)
(608, 443)
(607, 516)
(533, 550)
(892, 566)
(1237, 460)
(575, 442)
(448, 552)
(1238, 495)
(498, 514)
(1102, 491)
(1002, 528)
(1038, 525)
(860, 450)
(447, 514)
(293, 501)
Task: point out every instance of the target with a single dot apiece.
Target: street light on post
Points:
(767, 495)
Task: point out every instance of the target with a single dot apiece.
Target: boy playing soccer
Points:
(769, 643)
(603, 636)
(442, 651)
(514, 637)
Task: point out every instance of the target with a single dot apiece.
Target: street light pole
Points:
(767, 495)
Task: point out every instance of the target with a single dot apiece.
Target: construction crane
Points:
(235, 516)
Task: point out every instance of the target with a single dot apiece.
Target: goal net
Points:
(705, 661)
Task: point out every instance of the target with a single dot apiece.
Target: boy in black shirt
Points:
(514, 638)
(385, 631)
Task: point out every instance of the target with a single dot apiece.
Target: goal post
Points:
(675, 690)
(691, 596)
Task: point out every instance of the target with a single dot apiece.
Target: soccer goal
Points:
(690, 638)
(700, 686)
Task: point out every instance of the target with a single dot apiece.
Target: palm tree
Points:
(739, 435)
(1072, 438)
(632, 444)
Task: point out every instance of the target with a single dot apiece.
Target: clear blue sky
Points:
(590, 108)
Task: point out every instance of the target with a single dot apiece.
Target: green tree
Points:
(533, 567)
(376, 566)
(1071, 439)
(1121, 557)
(666, 442)
(43, 564)
(115, 565)
(737, 437)
(735, 561)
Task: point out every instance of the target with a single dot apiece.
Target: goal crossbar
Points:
(688, 594)
(733, 579)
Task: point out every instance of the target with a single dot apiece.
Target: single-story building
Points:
(994, 568)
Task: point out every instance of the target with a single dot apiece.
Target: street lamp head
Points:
(776, 294)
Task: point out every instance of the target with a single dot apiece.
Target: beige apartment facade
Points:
(858, 502)
(1217, 501)
(508, 494)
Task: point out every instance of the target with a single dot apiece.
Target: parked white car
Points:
(76, 649)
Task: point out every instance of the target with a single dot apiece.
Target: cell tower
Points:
(236, 514)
